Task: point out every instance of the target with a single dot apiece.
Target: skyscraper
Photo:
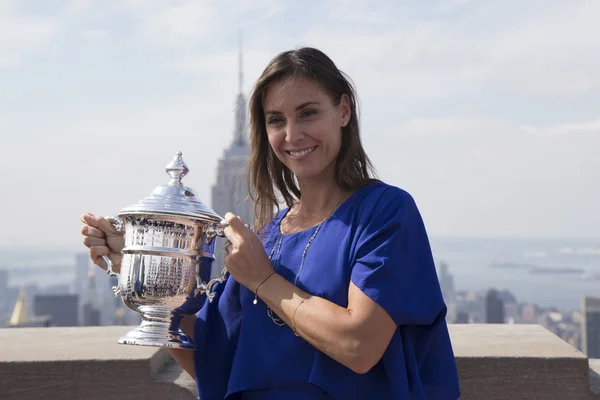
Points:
(446, 281)
(62, 308)
(494, 308)
(82, 264)
(92, 304)
(230, 192)
(590, 327)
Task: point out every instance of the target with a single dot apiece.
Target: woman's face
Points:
(304, 127)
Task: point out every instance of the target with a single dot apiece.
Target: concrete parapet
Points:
(494, 362)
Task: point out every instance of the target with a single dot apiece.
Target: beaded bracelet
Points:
(256, 291)
(294, 317)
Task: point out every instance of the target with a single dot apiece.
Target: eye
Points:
(274, 120)
(308, 113)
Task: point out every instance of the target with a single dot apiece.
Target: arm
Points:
(356, 336)
(393, 283)
(185, 358)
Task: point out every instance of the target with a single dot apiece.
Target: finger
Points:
(100, 223)
(232, 236)
(235, 222)
(88, 230)
(232, 230)
(90, 241)
(96, 253)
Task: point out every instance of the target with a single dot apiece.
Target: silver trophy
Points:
(167, 260)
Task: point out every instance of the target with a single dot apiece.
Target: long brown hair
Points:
(266, 174)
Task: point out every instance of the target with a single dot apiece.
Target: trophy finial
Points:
(177, 169)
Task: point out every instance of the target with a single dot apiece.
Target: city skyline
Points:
(486, 113)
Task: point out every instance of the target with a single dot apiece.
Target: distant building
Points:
(494, 308)
(5, 298)
(511, 313)
(63, 309)
(82, 265)
(3, 281)
(82, 262)
(528, 313)
(21, 318)
(92, 305)
(446, 281)
(590, 327)
(461, 318)
(230, 192)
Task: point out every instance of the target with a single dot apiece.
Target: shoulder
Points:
(382, 200)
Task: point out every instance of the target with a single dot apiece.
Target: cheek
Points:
(275, 139)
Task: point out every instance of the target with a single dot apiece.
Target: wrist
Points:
(257, 287)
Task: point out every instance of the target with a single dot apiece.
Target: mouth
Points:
(301, 153)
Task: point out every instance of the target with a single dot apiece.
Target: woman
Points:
(336, 297)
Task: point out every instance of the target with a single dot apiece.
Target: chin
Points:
(308, 172)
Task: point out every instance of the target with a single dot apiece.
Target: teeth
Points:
(302, 153)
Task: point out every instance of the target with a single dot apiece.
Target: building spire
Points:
(240, 108)
(240, 64)
(20, 314)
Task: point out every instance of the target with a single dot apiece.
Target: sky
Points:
(487, 112)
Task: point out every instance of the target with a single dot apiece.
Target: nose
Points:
(293, 132)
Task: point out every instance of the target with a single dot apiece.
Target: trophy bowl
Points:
(167, 258)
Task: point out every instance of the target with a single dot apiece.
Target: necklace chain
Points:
(278, 321)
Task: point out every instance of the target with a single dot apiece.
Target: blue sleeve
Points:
(393, 263)
(215, 336)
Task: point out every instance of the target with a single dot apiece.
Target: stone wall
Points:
(494, 361)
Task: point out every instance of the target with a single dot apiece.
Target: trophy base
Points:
(156, 331)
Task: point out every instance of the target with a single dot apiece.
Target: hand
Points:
(100, 236)
(245, 257)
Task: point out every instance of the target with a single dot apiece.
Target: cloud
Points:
(176, 24)
(189, 24)
(567, 128)
(22, 35)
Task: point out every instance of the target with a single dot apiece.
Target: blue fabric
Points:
(377, 240)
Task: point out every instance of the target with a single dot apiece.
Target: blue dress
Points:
(375, 239)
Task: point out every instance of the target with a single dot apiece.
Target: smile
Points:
(302, 153)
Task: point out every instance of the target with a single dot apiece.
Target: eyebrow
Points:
(301, 106)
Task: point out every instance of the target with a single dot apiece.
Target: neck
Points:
(319, 196)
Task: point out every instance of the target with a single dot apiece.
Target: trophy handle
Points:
(210, 291)
(118, 225)
(211, 232)
(214, 229)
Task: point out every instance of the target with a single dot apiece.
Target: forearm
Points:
(334, 330)
(185, 358)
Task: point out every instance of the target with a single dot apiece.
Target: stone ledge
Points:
(494, 362)
(86, 363)
(595, 377)
(518, 362)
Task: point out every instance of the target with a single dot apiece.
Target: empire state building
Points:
(230, 191)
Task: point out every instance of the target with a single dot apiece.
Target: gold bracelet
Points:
(294, 317)
(256, 291)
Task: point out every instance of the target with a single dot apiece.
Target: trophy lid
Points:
(173, 198)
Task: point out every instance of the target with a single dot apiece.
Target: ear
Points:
(345, 108)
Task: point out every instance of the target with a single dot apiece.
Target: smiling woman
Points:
(334, 297)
